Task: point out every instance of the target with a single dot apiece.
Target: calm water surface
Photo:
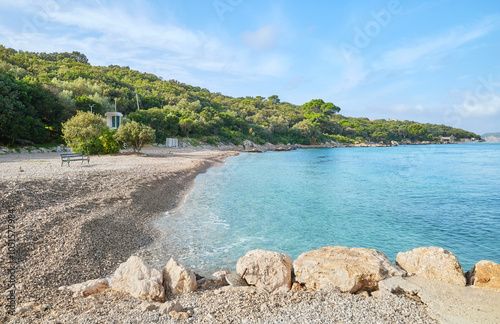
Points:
(390, 199)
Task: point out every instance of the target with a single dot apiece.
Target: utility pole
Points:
(91, 106)
(115, 104)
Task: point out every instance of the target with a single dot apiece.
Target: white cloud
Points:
(263, 38)
(481, 107)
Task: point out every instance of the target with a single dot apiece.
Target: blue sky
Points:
(428, 61)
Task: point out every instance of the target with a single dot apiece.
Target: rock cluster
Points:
(366, 272)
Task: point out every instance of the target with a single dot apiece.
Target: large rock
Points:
(349, 269)
(178, 279)
(432, 263)
(139, 280)
(87, 288)
(484, 274)
(268, 270)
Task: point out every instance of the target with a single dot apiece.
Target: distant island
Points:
(40, 91)
(491, 137)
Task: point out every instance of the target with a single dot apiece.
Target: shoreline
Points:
(80, 222)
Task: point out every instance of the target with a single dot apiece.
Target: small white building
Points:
(114, 119)
(172, 142)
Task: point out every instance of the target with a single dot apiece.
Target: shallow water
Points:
(390, 199)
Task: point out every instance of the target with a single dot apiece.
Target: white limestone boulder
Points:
(432, 263)
(484, 274)
(349, 269)
(268, 270)
(178, 279)
(87, 288)
(139, 280)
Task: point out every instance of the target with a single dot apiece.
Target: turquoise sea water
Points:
(390, 199)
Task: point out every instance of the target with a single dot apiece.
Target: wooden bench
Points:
(68, 157)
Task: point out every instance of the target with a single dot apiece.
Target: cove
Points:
(391, 199)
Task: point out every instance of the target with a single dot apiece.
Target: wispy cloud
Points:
(435, 46)
(263, 38)
(106, 31)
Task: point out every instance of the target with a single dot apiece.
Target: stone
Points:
(432, 263)
(363, 293)
(146, 307)
(235, 280)
(87, 288)
(45, 307)
(179, 315)
(139, 280)
(216, 280)
(171, 306)
(447, 302)
(268, 270)
(348, 269)
(25, 308)
(178, 279)
(484, 274)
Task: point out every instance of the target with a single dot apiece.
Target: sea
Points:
(392, 199)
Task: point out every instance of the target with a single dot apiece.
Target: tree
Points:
(82, 132)
(305, 129)
(418, 131)
(85, 103)
(379, 136)
(274, 99)
(318, 106)
(186, 125)
(135, 135)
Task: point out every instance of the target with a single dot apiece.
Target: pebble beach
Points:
(81, 222)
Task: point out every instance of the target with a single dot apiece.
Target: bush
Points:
(135, 135)
(109, 143)
(87, 133)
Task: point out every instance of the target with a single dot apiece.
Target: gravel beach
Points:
(80, 222)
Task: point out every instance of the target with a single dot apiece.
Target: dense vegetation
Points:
(39, 91)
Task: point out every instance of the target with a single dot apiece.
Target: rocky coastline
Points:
(74, 226)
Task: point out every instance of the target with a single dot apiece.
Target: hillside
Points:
(39, 91)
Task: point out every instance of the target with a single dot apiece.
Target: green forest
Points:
(40, 91)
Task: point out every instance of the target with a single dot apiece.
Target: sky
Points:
(426, 61)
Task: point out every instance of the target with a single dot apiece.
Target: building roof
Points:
(113, 113)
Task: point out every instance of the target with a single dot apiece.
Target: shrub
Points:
(135, 135)
(87, 133)
(109, 142)
(81, 131)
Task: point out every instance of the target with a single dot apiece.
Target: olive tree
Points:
(135, 135)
